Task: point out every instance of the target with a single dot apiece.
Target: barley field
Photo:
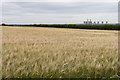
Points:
(36, 52)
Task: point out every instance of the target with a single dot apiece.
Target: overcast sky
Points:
(59, 0)
(58, 11)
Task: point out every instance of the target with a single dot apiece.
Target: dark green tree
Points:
(3, 24)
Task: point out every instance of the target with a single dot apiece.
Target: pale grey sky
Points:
(59, 11)
(60, 1)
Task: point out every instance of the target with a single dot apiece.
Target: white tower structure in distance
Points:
(102, 22)
(98, 22)
(89, 22)
(106, 22)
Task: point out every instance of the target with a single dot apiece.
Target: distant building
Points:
(98, 22)
(106, 22)
(90, 22)
(102, 22)
(94, 22)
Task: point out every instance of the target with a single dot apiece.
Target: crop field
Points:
(38, 52)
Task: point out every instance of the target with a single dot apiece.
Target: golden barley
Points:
(59, 53)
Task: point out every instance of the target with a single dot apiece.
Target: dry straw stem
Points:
(59, 53)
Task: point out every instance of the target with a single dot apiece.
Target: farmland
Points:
(58, 53)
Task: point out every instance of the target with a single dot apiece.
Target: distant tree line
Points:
(74, 26)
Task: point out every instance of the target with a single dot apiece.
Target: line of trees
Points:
(74, 26)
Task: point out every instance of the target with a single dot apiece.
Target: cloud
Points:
(58, 12)
(68, 1)
(42, 7)
(61, 18)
